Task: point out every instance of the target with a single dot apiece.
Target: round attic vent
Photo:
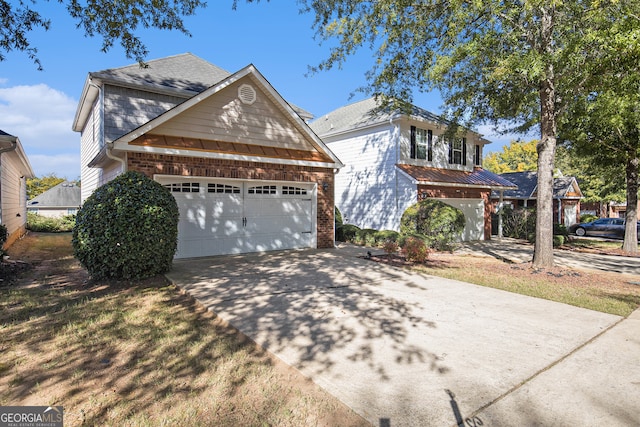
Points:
(247, 94)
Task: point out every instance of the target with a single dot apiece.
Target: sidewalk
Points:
(520, 251)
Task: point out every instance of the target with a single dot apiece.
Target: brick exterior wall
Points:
(425, 191)
(151, 164)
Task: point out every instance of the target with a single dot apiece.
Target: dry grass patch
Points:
(606, 292)
(140, 354)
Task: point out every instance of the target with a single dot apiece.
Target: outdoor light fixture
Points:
(325, 186)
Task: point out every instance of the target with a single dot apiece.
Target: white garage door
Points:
(473, 210)
(228, 216)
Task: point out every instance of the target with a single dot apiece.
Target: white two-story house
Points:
(245, 168)
(394, 159)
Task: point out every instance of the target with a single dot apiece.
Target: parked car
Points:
(604, 227)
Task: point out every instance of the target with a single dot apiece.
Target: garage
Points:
(473, 210)
(228, 216)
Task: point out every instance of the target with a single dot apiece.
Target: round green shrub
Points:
(588, 218)
(365, 236)
(127, 229)
(558, 240)
(347, 233)
(439, 223)
(383, 236)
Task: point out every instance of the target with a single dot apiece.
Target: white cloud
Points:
(62, 165)
(42, 117)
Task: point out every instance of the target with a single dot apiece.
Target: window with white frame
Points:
(477, 155)
(458, 151)
(421, 144)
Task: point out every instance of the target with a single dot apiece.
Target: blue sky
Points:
(39, 106)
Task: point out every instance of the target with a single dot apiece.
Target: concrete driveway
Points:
(404, 349)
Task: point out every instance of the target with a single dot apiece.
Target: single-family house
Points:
(245, 168)
(566, 195)
(395, 158)
(15, 169)
(58, 201)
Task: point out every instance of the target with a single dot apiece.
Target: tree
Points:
(114, 21)
(516, 157)
(37, 186)
(510, 63)
(604, 123)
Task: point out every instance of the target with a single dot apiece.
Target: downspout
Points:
(14, 144)
(396, 137)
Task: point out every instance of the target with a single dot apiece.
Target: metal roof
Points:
(436, 176)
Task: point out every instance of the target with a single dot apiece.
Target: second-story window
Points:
(477, 155)
(421, 144)
(458, 151)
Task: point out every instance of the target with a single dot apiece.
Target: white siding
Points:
(440, 147)
(90, 144)
(366, 191)
(14, 193)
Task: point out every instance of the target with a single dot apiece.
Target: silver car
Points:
(603, 227)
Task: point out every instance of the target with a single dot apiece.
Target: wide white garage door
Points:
(229, 216)
(473, 210)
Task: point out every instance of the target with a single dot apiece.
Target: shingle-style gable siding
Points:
(127, 109)
(225, 117)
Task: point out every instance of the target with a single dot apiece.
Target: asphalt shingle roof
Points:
(184, 72)
(527, 183)
(360, 114)
(65, 194)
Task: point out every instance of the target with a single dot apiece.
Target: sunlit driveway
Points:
(402, 349)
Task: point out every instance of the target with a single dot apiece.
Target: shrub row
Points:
(45, 224)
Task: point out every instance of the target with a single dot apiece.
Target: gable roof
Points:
(65, 194)
(181, 75)
(9, 143)
(527, 183)
(455, 178)
(362, 114)
(125, 142)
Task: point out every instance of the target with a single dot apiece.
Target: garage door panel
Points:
(224, 217)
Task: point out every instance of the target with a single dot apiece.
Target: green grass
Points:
(608, 294)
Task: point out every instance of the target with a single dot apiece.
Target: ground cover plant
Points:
(138, 353)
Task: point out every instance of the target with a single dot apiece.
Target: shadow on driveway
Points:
(390, 343)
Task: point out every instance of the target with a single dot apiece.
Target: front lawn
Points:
(138, 354)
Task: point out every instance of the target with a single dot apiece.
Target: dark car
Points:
(604, 227)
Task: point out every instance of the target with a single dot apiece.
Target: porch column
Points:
(500, 206)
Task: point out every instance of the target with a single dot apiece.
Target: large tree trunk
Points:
(630, 244)
(543, 251)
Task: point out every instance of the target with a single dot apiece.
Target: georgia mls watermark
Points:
(31, 416)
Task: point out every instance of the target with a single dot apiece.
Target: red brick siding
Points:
(425, 191)
(151, 164)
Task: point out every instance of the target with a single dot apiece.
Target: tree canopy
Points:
(518, 156)
(603, 124)
(37, 186)
(513, 64)
(113, 21)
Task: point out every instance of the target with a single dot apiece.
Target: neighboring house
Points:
(394, 159)
(246, 170)
(607, 209)
(58, 201)
(566, 195)
(14, 171)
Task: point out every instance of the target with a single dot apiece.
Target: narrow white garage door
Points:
(473, 210)
(227, 217)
